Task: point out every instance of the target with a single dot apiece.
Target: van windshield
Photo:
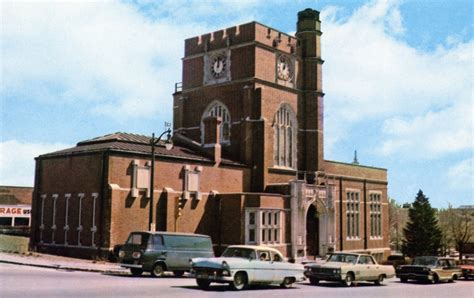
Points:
(140, 239)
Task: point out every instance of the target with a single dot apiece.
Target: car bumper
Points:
(215, 278)
(334, 277)
(415, 276)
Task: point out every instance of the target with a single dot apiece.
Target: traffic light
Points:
(180, 207)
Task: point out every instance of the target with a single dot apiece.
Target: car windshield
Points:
(239, 252)
(425, 261)
(342, 258)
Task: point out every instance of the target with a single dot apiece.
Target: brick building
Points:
(15, 209)
(247, 165)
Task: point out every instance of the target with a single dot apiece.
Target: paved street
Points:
(16, 280)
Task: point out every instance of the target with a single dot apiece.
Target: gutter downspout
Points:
(103, 193)
(365, 215)
(341, 246)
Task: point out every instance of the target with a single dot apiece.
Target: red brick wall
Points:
(197, 216)
(22, 195)
(68, 175)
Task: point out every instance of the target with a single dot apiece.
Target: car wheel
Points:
(380, 280)
(203, 284)
(287, 282)
(313, 281)
(158, 270)
(240, 281)
(435, 279)
(136, 271)
(403, 279)
(349, 281)
(178, 273)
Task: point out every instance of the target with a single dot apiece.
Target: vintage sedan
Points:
(243, 265)
(349, 268)
(431, 269)
(467, 267)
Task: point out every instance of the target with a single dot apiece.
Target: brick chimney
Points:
(212, 136)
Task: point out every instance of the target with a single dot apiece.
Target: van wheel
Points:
(287, 282)
(240, 281)
(136, 271)
(203, 284)
(158, 270)
(178, 273)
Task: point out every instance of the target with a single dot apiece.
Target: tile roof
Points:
(133, 143)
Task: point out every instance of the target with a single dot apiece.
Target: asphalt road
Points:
(25, 281)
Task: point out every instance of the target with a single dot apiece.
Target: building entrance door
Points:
(312, 232)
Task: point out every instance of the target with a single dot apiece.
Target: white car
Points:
(243, 265)
(349, 268)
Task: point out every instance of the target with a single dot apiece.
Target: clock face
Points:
(218, 66)
(284, 68)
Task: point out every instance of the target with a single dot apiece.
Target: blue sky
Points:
(398, 78)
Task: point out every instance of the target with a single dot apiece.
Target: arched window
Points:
(284, 126)
(218, 109)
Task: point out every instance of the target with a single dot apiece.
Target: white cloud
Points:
(17, 160)
(371, 74)
(462, 174)
(104, 56)
(432, 134)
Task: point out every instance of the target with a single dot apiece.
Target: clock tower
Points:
(264, 87)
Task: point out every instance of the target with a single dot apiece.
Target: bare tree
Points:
(458, 225)
(396, 225)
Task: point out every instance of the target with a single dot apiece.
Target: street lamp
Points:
(168, 145)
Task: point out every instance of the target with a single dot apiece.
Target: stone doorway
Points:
(312, 232)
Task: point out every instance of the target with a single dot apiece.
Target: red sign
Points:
(6, 210)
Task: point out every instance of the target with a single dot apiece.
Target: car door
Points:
(373, 269)
(263, 267)
(452, 269)
(280, 268)
(362, 269)
(442, 269)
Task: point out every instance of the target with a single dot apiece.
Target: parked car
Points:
(432, 269)
(348, 268)
(158, 252)
(243, 265)
(467, 268)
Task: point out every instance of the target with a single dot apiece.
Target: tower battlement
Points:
(249, 32)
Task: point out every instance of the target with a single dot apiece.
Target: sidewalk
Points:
(64, 263)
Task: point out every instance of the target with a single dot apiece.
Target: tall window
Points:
(263, 226)
(375, 215)
(285, 137)
(352, 214)
(218, 109)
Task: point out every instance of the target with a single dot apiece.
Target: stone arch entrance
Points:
(313, 226)
(312, 232)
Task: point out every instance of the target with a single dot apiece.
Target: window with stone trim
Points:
(263, 226)
(375, 203)
(284, 147)
(218, 109)
(353, 214)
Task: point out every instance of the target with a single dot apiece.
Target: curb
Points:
(61, 267)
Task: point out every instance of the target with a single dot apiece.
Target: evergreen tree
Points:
(422, 233)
